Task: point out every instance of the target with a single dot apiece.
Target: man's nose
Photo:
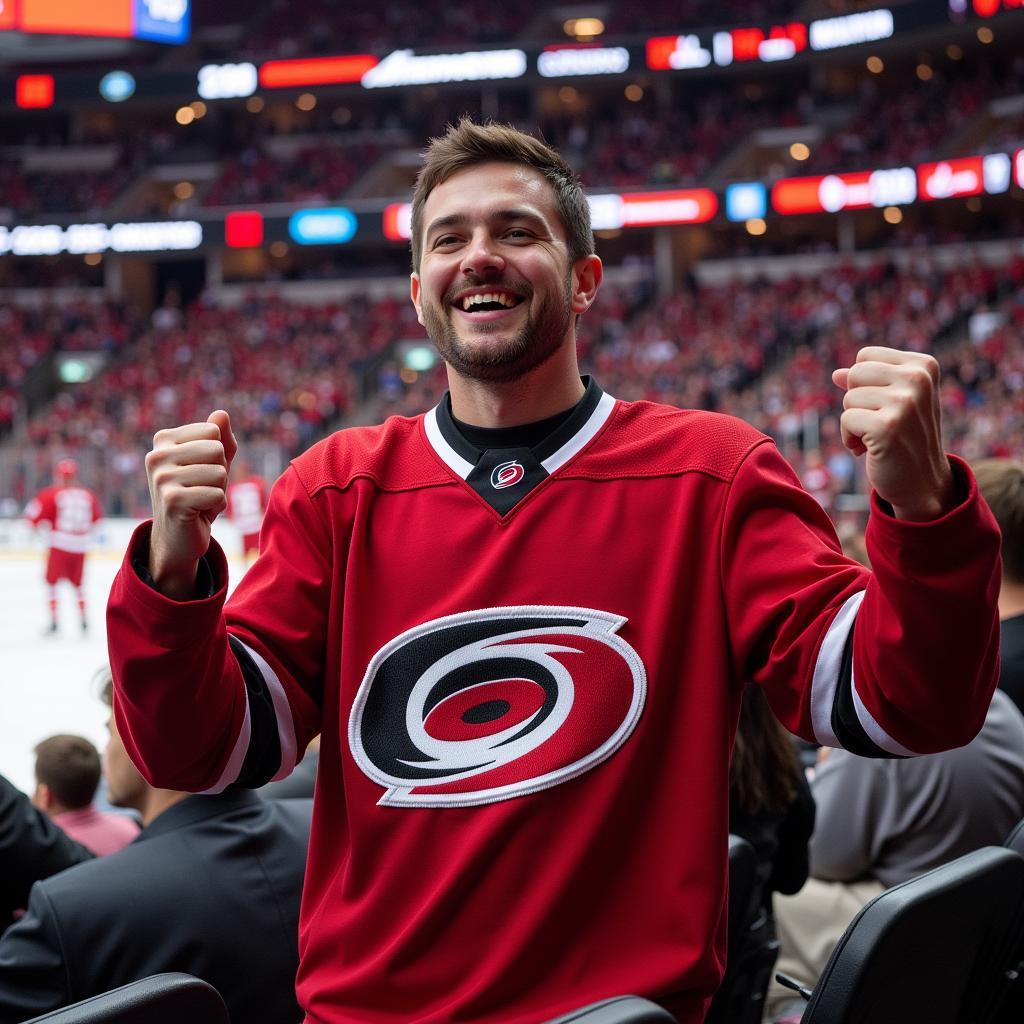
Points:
(481, 255)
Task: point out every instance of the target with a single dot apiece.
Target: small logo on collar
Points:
(506, 474)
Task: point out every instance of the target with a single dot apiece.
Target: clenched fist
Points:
(188, 473)
(891, 413)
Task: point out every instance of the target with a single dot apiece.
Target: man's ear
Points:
(414, 294)
(587, 274)
(42, 797)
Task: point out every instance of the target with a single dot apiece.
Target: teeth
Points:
(474, 300)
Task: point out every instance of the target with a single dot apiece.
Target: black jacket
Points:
(210, 887)
(31, 847)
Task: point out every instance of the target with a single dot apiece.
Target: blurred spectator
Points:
(882, 822)
(67, 776)
(211, 887)
(1001, 482)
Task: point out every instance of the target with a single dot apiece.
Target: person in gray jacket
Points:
(883, 822)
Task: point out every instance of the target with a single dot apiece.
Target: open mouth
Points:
(487, 302)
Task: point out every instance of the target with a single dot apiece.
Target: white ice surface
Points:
(46, 682)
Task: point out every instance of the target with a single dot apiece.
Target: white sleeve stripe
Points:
(825, 680)
(234, 766)
(875, 732)
(282, 711)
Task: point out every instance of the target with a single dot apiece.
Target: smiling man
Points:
(522, 624)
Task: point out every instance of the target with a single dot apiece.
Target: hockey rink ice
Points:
(47, 683)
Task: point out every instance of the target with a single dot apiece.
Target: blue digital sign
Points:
(333, 225)
(163, 21)
(746, 200)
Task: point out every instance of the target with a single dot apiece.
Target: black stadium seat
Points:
(618, 1010)
(1012, 1009)
(162, 999)
(752, 949)
(935, 949)
(1015, 840)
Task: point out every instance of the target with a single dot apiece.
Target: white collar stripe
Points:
(582, 437)
(452, 459)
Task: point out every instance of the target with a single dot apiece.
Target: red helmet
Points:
(67, 467)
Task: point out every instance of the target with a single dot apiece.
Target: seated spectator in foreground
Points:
(67, 776)
(31, 847)
(210, 887)
(883, 822)
(1001, 482)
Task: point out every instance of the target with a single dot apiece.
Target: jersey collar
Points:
(516, 471)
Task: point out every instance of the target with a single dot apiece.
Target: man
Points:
(67, 776)
(880, 823)
(522, 624)
(247, 501)
(1001, 482)
(71, 511)
(210, 887)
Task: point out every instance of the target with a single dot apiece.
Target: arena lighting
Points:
(832, 193)
(403, 67)
(77, 239)
(683, 206)
(117, 86)
(1018, 164)
(243, 229)
(328, 226)
(563, 61)
(397, 222)
(851, 29)
(745, 201)
(226, 81)
(293, 74)
(33, 92)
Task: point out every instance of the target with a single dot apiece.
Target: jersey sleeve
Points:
(896, 661)
(40, 509)
(208, 695)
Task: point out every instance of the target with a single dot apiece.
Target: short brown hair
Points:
(1001, 482)
(70, 766)
(468, 144)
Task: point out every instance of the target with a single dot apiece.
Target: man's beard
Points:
(536, 341)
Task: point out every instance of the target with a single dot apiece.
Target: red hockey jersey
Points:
(526, 666)
(71, 512)
(246, 503)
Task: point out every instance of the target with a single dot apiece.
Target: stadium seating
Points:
(161, 999)
(750, 958)
(935, 949)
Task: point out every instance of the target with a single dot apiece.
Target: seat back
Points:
(933, 949)
(752, 948)
(1015, 840)
(162, 999)
(1011, 1010)
(618, 1010)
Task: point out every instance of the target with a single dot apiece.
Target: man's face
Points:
(125, 786)
(495, 288)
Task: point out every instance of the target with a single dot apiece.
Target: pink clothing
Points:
(100, 831)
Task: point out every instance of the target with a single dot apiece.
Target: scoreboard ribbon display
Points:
(163, 21)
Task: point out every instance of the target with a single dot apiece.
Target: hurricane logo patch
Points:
(507, 474)
(493, 704)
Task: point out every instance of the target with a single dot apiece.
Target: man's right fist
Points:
(188, 474)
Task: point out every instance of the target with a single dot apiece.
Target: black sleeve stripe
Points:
(846, 724)
(263, 756)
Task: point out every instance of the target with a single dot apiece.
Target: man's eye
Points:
(517, 233)
(445, 240)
